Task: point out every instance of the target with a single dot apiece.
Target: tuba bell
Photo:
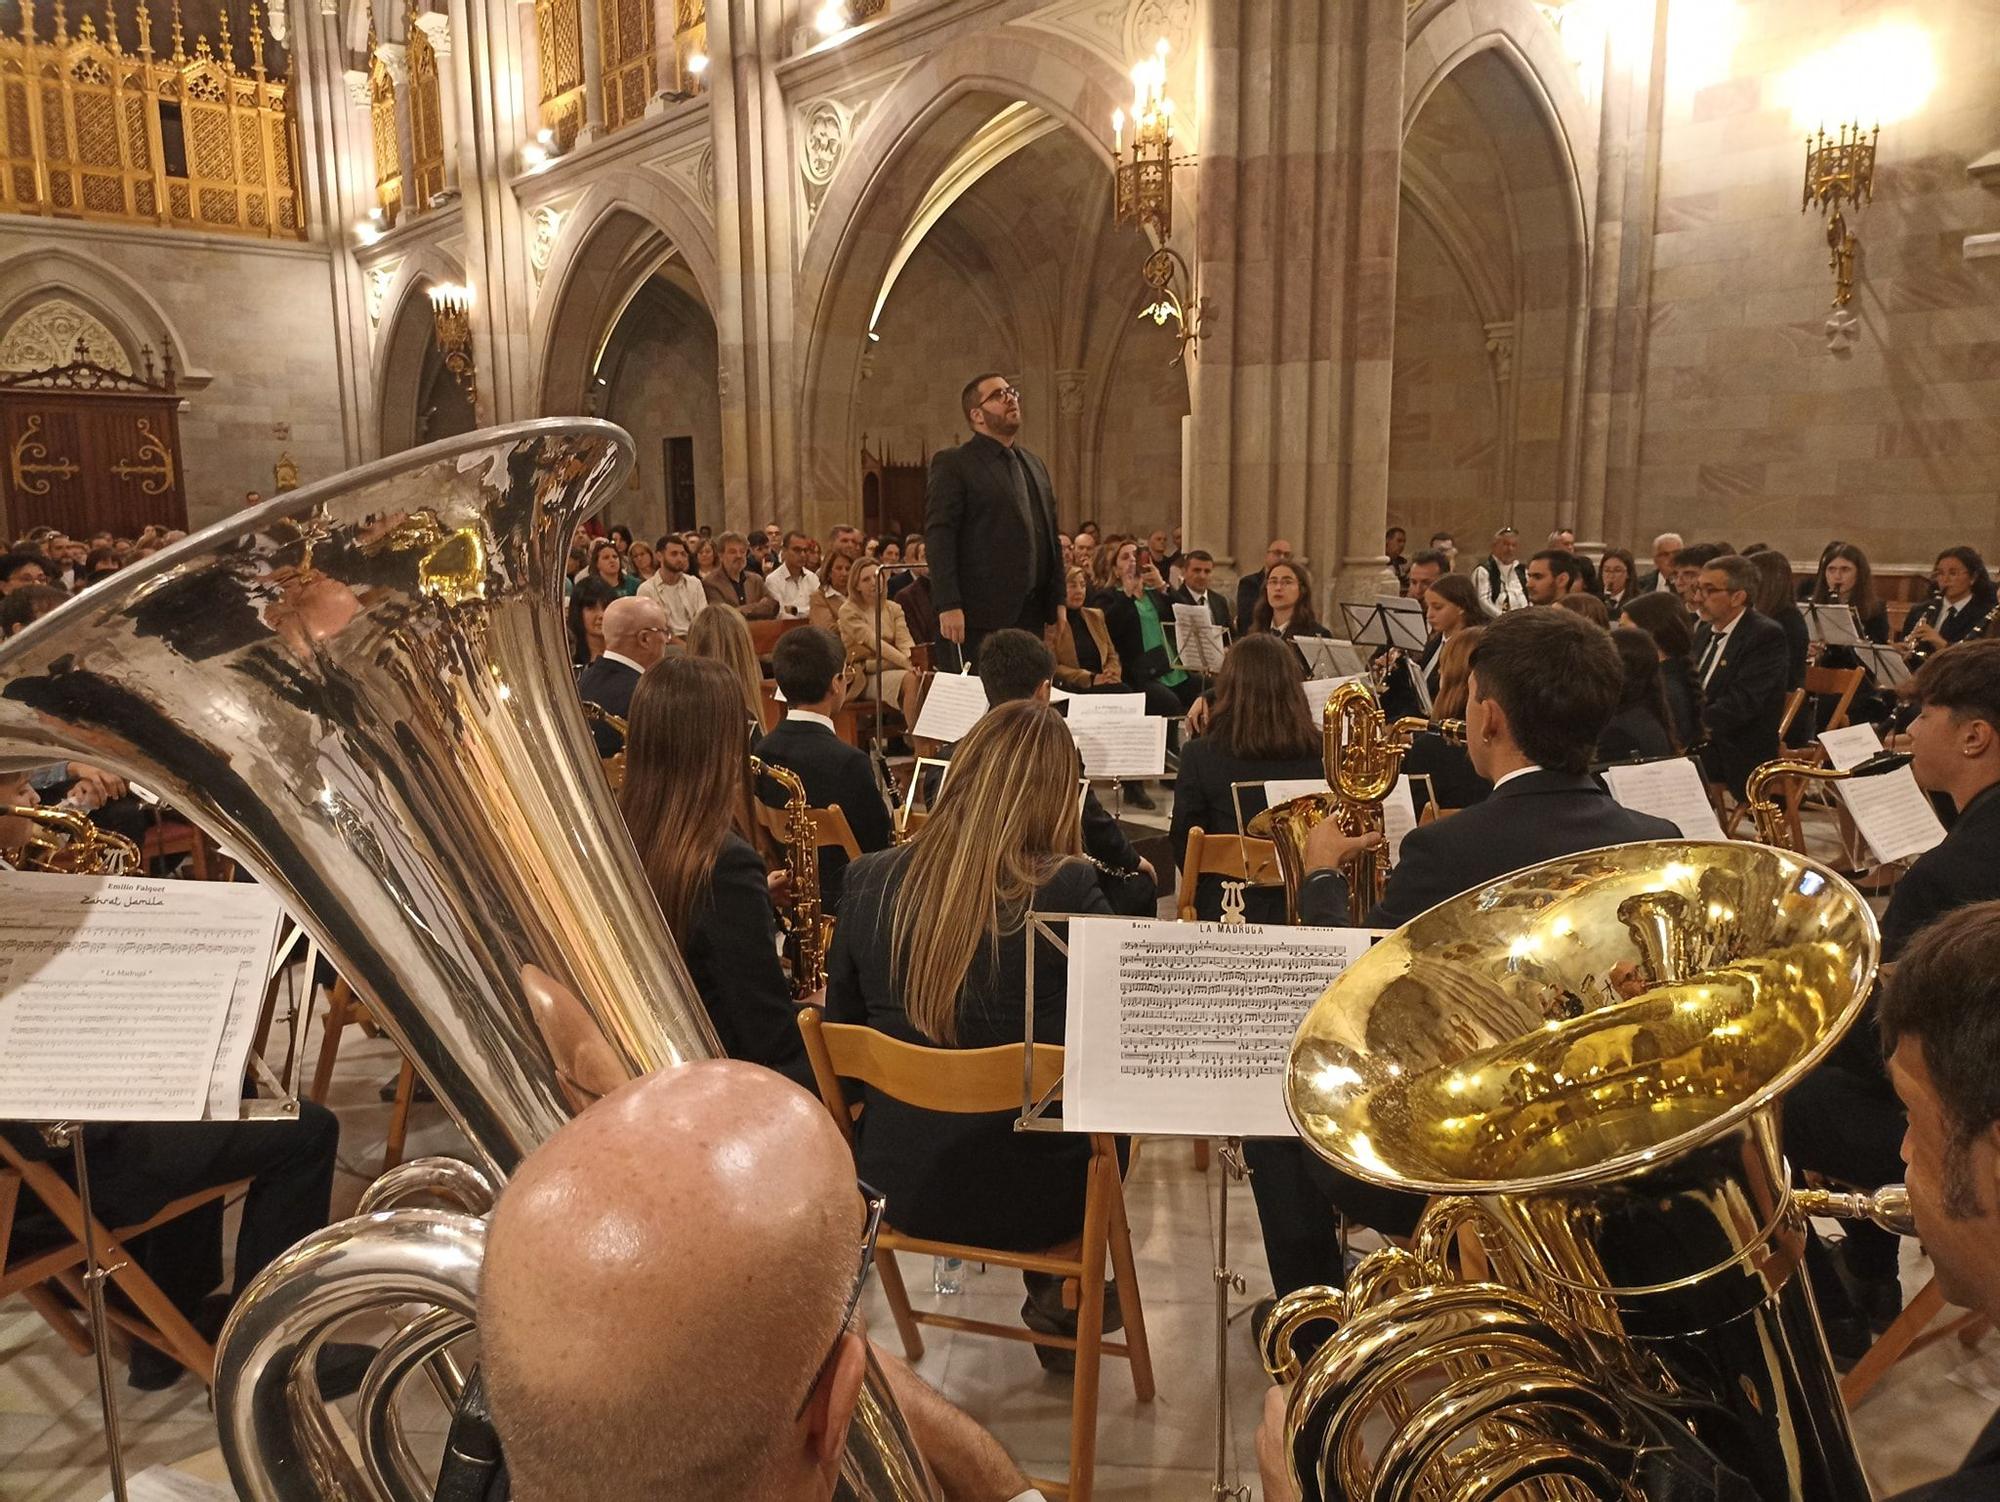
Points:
(362, 688)
(1582, 1061)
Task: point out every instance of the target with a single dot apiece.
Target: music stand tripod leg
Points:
(70, 1135)
(1227, 1281)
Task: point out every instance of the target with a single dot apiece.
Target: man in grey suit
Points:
(990, 529)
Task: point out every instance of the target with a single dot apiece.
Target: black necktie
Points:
(1024, 497)
(1708, 657)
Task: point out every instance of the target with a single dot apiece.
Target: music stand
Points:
(1833, 625)
(1885, 664)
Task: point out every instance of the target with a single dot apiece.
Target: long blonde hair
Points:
(721, 633)
(1009, 816)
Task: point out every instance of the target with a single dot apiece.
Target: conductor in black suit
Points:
(635, 637)
(1544, 685)
(1742, 664)
(807, 663)
(990, 525)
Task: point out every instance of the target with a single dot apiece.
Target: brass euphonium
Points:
(1583, 1061)
(1364, 756)
(1769, 815)
(808, 931)
(362, 688)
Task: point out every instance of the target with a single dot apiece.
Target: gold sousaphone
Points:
(1581, 1062)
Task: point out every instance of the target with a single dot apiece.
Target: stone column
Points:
(1296, 253)
(337, 192)
(593, 74)
(1070, 480)
(755, 235)
(497, 112)
(1621, 278)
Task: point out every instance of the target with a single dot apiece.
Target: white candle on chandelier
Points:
(1117, 131)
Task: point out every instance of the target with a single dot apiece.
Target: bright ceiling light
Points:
(1877, 76)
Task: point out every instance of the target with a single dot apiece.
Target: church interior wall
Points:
(1135, 460)
(255, 319)
(659, 376)
(1761, 423)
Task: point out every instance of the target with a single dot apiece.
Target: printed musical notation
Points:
(128, 998)
(1183, 1029)
(1889, 809)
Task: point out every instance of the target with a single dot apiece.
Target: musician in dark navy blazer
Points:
(1742, 665)
(1544, 684)
(635, 637)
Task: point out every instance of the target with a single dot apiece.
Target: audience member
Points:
(607, 565)
(678, 593)
(635, 637)
(834, 583)
(791, 583)
(1502, 583)
(807, 663)
(1259, 729)
(1662, 579)
(587, 601)
(1197, 568)
(886, 659)
(1445, 543)
(1136, 611)
(734, 582)
(1427, 566)
(18, 570)
(1394, 540)
(22, 607)
(686, 800)
(932, 949)
(1085, 659)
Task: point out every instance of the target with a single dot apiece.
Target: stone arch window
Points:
(48, 335)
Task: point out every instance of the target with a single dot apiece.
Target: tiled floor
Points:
(1914, 1427)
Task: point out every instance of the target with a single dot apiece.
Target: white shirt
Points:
(1032, 1494)
(810, 716)
(1718, 643)
(1500, 782)
(1513, 592)
(682, 600)
(794, 596)
(611, 656)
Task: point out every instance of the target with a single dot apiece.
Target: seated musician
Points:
(635, 637)
(1742, 663)
(138, 1169)
(1940, 1022)
(1544, 684)
(808, 663)
(1640, 729)
(1843, 1119)
(616, 1272)
(1961, 606)
(1447, 767)
(686, 800)
(1018, 667)
(932, 949)
(1258, 729)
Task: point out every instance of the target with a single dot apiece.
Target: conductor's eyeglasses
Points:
(1003, 393)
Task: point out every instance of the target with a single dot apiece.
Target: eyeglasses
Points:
(1005, 393)
(877, 1202)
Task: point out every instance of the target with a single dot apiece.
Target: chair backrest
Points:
(764, 634)
(959, 1080)
(1843, 683)
(829, 823)
(1233, 857)
(1794, 702)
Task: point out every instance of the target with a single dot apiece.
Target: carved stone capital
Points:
(1500, 348)
(396, 59)
(1069, 392)
(436, 25)
(356, 80)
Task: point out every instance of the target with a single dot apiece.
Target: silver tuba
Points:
(362, 689)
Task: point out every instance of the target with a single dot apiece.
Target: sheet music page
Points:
(952, 706)
(1667, 790)
(1420, 680)
(1889, 809)
(239, 1031)
(1198, 639)
(1319, 690)
(1120, 747)
(1833, 624)
(1184, 1028)
(1399, 817)
(1084, 708)
(116, 992)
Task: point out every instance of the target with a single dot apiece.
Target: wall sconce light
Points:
(451, 312)
(1165, 275)
(1840, 173)
(1145, 184)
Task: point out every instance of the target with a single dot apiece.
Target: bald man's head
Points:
(635, 628)
(663, 1280)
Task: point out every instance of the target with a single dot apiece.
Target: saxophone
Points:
(808, 931)
(1767, 810)
(63, 839)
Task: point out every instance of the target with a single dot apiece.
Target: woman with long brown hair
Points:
(1285, 608)
(720, 633)
(1453, 782)
(932, 949)
(686, 801)
(1259, 729)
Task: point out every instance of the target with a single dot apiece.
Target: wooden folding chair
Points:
(344, 1010)
(989, 1079)
(829, 824)
(1840, 684)
(37, 1275)
(1909, 1333)
(167, 837)
(1233, 857)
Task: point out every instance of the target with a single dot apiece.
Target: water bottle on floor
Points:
(947, 1275)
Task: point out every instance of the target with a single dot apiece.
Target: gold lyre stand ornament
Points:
(1840, 173)
(451, 309)
(1144, 197)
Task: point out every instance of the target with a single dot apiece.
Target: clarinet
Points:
(1930, 614)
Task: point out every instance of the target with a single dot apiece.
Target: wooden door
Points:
(89, 462)
(680, 484)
